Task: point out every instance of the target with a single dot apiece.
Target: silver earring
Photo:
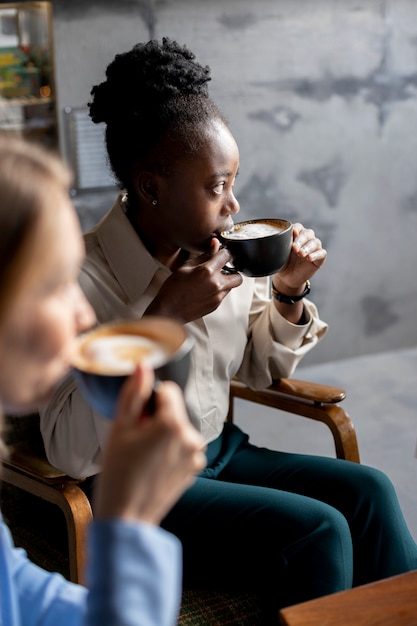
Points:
(154, 202)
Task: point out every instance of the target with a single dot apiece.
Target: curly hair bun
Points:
(144, 78)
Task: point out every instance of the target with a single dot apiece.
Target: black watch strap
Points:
(281, 297)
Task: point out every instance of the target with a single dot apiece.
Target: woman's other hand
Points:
(306, 258)
(151, 457)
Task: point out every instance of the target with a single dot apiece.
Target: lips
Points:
(228, 225)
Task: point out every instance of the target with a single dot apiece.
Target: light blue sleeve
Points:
(135, 569)
(145, 586)
(31, 596)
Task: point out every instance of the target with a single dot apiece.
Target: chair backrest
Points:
(23, 432)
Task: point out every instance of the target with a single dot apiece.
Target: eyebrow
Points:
(223, 173)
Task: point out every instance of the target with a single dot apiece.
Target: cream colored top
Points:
(245, 336)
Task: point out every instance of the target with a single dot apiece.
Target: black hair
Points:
(155, 91)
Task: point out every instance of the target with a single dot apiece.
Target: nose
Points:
(85, 317)
(233, 205)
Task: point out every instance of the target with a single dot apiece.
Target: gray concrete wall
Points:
(322, 99)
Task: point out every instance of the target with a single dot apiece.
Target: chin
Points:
(24, 406)
(19, 409)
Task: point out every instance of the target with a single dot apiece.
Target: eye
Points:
(61, 286)
(219, 188)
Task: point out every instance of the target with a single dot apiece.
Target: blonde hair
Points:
(30, 179)
(29, 176)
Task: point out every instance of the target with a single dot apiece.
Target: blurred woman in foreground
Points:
(134, 572)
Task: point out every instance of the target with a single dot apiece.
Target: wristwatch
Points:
(281, 297)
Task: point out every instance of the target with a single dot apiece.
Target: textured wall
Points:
(322, 99)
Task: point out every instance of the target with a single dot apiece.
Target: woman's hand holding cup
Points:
(149, 459)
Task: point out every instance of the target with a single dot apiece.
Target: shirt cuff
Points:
(287, 333)
(134, 573)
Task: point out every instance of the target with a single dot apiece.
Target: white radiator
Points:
(87, 151)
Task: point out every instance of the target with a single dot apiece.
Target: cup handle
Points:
(229, 269)
(150, 404)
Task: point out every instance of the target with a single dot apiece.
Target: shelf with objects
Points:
(27, 104)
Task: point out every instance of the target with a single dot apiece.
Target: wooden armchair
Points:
(27, 469)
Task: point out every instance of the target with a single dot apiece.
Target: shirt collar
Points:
(125, 253)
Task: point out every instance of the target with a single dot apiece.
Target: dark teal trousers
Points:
(292, 527)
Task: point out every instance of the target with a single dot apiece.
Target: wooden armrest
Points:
(309, 391)
(313, 392)
(37, 467)
(311, 400)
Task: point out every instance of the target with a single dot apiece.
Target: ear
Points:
(146, 186)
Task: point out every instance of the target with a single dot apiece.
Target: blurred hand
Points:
(197, 288)
(307, 256)
(150, 459)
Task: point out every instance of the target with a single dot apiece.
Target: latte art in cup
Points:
(105, 357)
(119, 354)
(252, 230)
(259, 247)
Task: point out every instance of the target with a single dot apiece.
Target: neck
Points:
(171, 257)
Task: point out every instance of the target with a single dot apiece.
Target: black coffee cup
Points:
(107, 355)
(259, 247)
